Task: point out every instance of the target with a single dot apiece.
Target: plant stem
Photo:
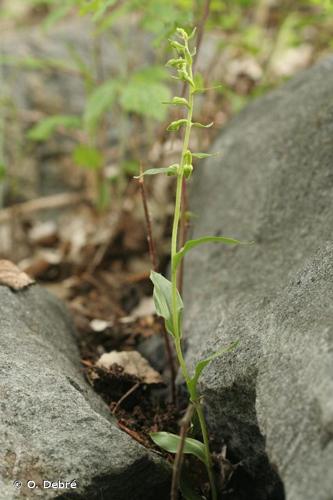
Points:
(184, 224)
(177, 216)
(177, 328)
(204, 431)
(177, 466)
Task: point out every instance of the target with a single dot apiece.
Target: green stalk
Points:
(176, 219)
(177, 328)
(204, 432)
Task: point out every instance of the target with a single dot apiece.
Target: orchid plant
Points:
(168, 301)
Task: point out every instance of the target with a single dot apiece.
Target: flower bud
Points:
(188, 169)
(188, 158)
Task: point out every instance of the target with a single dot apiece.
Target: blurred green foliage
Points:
(261, 29)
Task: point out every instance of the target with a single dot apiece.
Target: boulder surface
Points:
(53, 427)
(271, 399)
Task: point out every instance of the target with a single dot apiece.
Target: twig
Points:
(150, 239)
(135, 435)
(179, 458)
(171, 363)
(45, 203)
(201, 29)
(125, 396)
(152, 253)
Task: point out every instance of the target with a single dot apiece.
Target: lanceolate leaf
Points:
(46, 127)
(163, 299)
(178, 101)
(201, 125)
(175, 63)
(174, 126)
(204, 362)
(200, 156)
(176, 45)
(205, 239)
(199, 90)
(172, 170)
(192, 34)
(170, 443)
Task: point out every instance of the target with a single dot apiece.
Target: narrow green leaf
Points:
(205, 89)
(194, 52)
(175, 63)
(176, 45)
(192, 34)
(174, 126)
(201, 125)
(35, 62)
(182, 33)
(178, 101)
(163, 299)
(204, 239)
(46, 127)
(204, 155)
(172, 170)
(201, 365)
(170, 443)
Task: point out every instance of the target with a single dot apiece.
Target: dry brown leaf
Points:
(12, 276)
(133, 363)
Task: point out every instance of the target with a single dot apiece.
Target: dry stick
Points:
(45, 203)
(152, 253)
(150, 239)
(183, 219)
(201, 29)
(179, 458)
(125, 396)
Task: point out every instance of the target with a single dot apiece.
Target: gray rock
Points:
(53, 426)
(271, 399)
(153, 349)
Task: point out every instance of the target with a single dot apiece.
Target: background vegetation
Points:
(249, 47)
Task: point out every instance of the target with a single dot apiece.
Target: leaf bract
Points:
(199, 241)
(163, 300)
(170, 442)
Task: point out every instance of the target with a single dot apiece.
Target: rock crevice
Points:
(273, 395)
